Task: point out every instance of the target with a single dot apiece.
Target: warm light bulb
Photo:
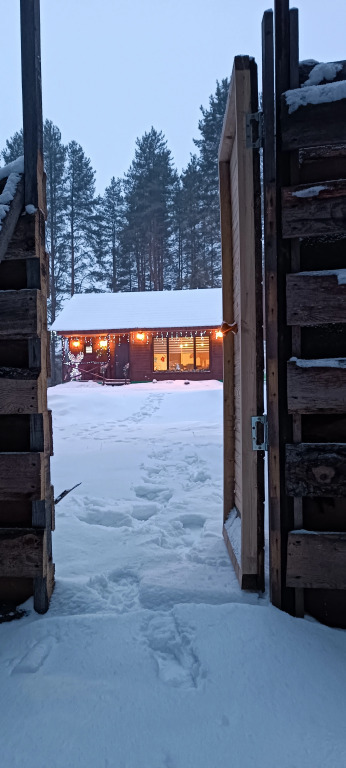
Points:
(75, 343)
(219, 335)
(140, 336)
(103, 343)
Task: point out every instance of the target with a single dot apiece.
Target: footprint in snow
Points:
(144, 511)
(176, 661)
(34, 659)
(153, 493)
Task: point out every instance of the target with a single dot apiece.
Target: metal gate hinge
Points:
(254, 130)
(259, 436)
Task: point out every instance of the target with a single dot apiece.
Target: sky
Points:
(111, 69)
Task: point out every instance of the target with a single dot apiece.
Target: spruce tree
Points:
(149, 186)
(194, 272)
(108, 269)
(55, 166)
(210, 127)
(80, 205)
(14, 147)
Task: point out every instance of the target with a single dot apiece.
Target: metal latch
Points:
(259, 428)
(254, 130)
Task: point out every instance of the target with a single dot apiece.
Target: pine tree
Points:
(80, 205)
(149, 186)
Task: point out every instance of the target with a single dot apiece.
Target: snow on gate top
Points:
(141, 310)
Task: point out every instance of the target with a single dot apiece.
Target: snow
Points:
(150, 655)
(332, 362)
(323, 71)
(146, 309)
(233, 528)
(17, 166)
(309, 191)
(340, 274)
(30, 209)
(8, 194)
(315, 94)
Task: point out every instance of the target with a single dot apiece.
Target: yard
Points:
(150, 656)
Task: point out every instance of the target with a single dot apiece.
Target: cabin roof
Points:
(141, 310)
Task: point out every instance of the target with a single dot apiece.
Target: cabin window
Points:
(202, 353)
(88, 349)
(160, 355)
(182, 354)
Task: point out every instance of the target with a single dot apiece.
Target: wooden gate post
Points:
(26, 494)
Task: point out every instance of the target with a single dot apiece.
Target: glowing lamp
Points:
(219, 335)
(76, 343)
(140, 336)
(103, 343)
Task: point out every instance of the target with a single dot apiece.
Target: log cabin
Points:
(119, 338)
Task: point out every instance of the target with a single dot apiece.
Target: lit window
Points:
(202, 353)
(181, 354)
(185, 353)
(88, 349)
(160, 354)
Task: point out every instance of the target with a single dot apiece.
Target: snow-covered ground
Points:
(150, 656)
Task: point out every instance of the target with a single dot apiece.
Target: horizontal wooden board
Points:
(22, 553)
(316, 560)
(313, 124)
(316, 469)
(22, 476)
(20, 313)
(315, 389)
(312, 210)
(21, 395)
(315, 299)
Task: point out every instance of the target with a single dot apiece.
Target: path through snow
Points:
(150, 656)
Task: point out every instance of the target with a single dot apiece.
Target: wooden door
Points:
(240, 200)
(121, 358)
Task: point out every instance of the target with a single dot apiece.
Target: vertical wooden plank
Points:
(228, 347)
(32, 102)
(282, 83)
(269, 174)
(295, 266)
(246, 102)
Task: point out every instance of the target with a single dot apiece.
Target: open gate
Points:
(240, 195)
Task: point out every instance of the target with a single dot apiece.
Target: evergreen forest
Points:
(154, 229)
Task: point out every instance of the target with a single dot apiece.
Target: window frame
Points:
(195, 370)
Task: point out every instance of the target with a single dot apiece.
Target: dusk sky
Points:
(111, 69)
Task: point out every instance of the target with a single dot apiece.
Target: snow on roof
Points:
(323, 71)
(315, 94)
(142, 310)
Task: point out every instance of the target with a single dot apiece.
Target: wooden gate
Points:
(240, 196)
